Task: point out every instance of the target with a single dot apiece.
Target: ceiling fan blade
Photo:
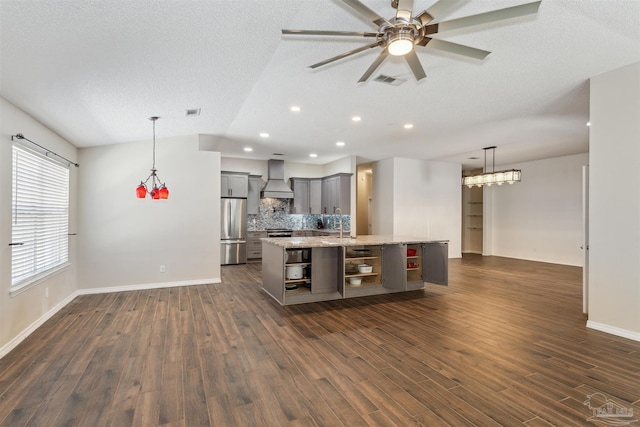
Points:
(373, 66)
(366, 12)
(343, 55)
(404, 10)
(414, 64)
(328, 33)
(458, 49)
(493, 16)
(439, 8)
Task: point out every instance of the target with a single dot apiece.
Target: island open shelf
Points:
(362, 255)
(388, 264)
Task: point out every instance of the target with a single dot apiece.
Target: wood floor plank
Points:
(504, 344)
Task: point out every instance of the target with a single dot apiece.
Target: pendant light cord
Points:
(153, 119)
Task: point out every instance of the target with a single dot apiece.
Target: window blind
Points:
(40, 216)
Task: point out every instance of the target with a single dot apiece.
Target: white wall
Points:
(614, 202)
(382, 197)
(418, 198)
(124, 240)
(540, 218)
(20, 312)
(342, 165)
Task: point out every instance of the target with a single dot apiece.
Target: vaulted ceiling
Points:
(94, 71)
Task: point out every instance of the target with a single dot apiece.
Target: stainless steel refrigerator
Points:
(233, 231)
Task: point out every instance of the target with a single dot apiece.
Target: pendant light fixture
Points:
(489, 178)
(158, 189)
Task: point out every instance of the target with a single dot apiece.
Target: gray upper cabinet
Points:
(315, 196)
(336, 193)
(435, 263)
(300, 187)
(307, 195)
(234, 184)
(253, 196)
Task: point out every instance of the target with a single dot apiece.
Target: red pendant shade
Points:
(163, 192)
(158, 189)
(141, 191)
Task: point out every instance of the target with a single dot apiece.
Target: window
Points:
(39, 217)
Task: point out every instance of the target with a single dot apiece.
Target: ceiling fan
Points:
(398, 36)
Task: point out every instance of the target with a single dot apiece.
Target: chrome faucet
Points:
(338, 211)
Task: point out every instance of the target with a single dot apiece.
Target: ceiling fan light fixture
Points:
(400, 43)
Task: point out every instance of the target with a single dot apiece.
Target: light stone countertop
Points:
(329, 241)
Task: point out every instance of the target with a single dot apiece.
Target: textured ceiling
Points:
(94, 71)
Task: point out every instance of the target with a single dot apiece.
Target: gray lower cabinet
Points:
(254, 244)
(394, 267)
(332, 271)
(253, 196)
(435, 262)
(321, 280)
(326, 271)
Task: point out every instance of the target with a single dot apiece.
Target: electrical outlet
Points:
(162, 270)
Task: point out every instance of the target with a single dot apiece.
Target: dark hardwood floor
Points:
(504, 344)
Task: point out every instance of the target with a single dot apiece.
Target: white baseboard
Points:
(145, 286)
(624, 333)
(5, 349)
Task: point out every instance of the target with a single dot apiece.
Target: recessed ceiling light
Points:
(295, 108)
(313, 155)
(588, 123)
(356, 118)
(408, 126)
(264, 135)
(248, 149)
(340, 143)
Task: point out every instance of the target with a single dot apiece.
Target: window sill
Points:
(36, 280)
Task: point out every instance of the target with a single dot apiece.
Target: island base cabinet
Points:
(330, 272)
(326, 273)
(324, 283)
(435, 263)
(273, 259)
(415, 274)
(394, 260)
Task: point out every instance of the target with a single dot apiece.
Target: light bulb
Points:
(401, 46)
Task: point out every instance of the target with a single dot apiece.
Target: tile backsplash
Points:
(274, 213)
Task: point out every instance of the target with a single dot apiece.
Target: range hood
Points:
(276, 187)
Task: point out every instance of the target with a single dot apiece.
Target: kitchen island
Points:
(299, 270)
